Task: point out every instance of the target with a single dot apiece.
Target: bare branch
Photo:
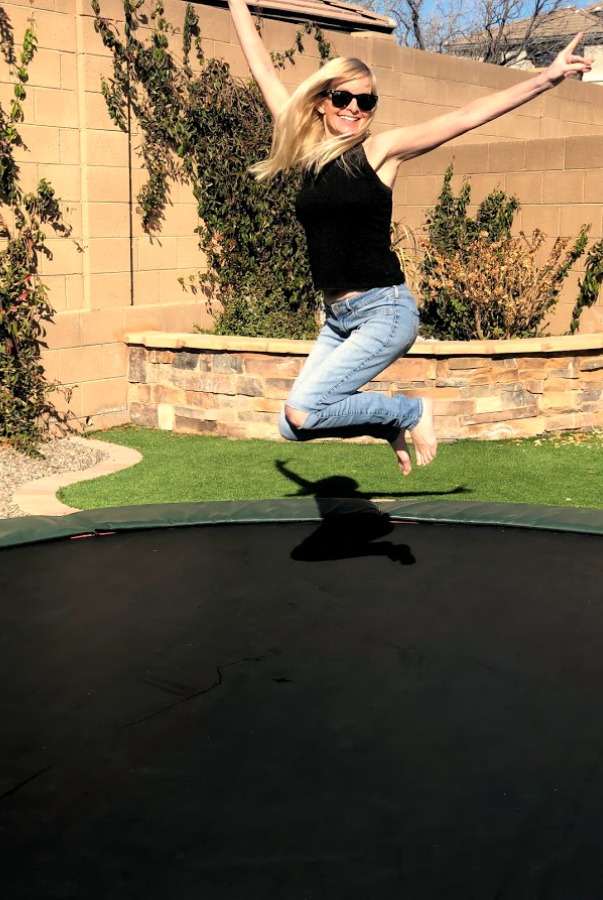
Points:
(502, 32)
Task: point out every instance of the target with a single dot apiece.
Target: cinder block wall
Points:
(110, 278)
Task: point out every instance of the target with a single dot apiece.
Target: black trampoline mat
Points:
(295, 712)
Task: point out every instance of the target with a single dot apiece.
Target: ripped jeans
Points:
(361, 337)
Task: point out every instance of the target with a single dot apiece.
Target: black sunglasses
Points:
(341, 99)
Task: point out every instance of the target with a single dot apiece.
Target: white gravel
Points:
(57, 456)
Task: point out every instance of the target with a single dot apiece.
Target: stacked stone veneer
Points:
(235, 387)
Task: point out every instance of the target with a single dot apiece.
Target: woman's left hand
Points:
(399, 144)
(567, 63)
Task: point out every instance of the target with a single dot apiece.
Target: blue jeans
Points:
(361, 337)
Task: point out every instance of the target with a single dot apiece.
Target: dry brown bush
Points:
(505, 286)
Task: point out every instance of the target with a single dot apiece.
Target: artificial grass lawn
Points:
(561, 471)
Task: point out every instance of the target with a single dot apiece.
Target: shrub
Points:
(25, 405)
(589, 286)
(501, 287)
(478, 281)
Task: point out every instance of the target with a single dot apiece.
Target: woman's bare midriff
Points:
(336, 296)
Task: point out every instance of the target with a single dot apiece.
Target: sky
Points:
(430, 5)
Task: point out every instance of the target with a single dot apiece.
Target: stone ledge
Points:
(482, 389)
(159, 340)
(38, 498)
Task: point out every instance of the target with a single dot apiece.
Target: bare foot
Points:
(400, 448)
(423, 436)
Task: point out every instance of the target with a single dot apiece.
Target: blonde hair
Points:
(298, 138)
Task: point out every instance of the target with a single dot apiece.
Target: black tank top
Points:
(347, 220)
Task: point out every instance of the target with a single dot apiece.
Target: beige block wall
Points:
(110, 278)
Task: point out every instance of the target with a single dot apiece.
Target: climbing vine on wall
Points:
(26, 409)
(589, 287)
(203, 126)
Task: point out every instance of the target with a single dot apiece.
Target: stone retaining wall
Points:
(235, 387)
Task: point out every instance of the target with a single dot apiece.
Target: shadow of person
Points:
(352, 525)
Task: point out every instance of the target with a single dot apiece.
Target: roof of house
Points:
(568, 20)
(556, 25)
(332, 14)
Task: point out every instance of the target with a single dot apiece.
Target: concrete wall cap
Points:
(158, 340)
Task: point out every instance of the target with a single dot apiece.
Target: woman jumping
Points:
(345, 208)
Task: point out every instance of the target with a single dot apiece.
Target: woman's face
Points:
(351, 119)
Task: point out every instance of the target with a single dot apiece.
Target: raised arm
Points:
(258, 59)
(399, 144)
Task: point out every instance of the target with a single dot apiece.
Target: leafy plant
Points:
(25, 406)
(589, 286)
(503, 289)
(206, 128)
(478, 281)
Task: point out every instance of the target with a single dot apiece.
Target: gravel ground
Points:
(59, 455)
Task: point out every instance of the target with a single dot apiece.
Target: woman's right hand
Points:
(258, 59)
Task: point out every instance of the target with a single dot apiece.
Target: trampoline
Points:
(303, 700)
